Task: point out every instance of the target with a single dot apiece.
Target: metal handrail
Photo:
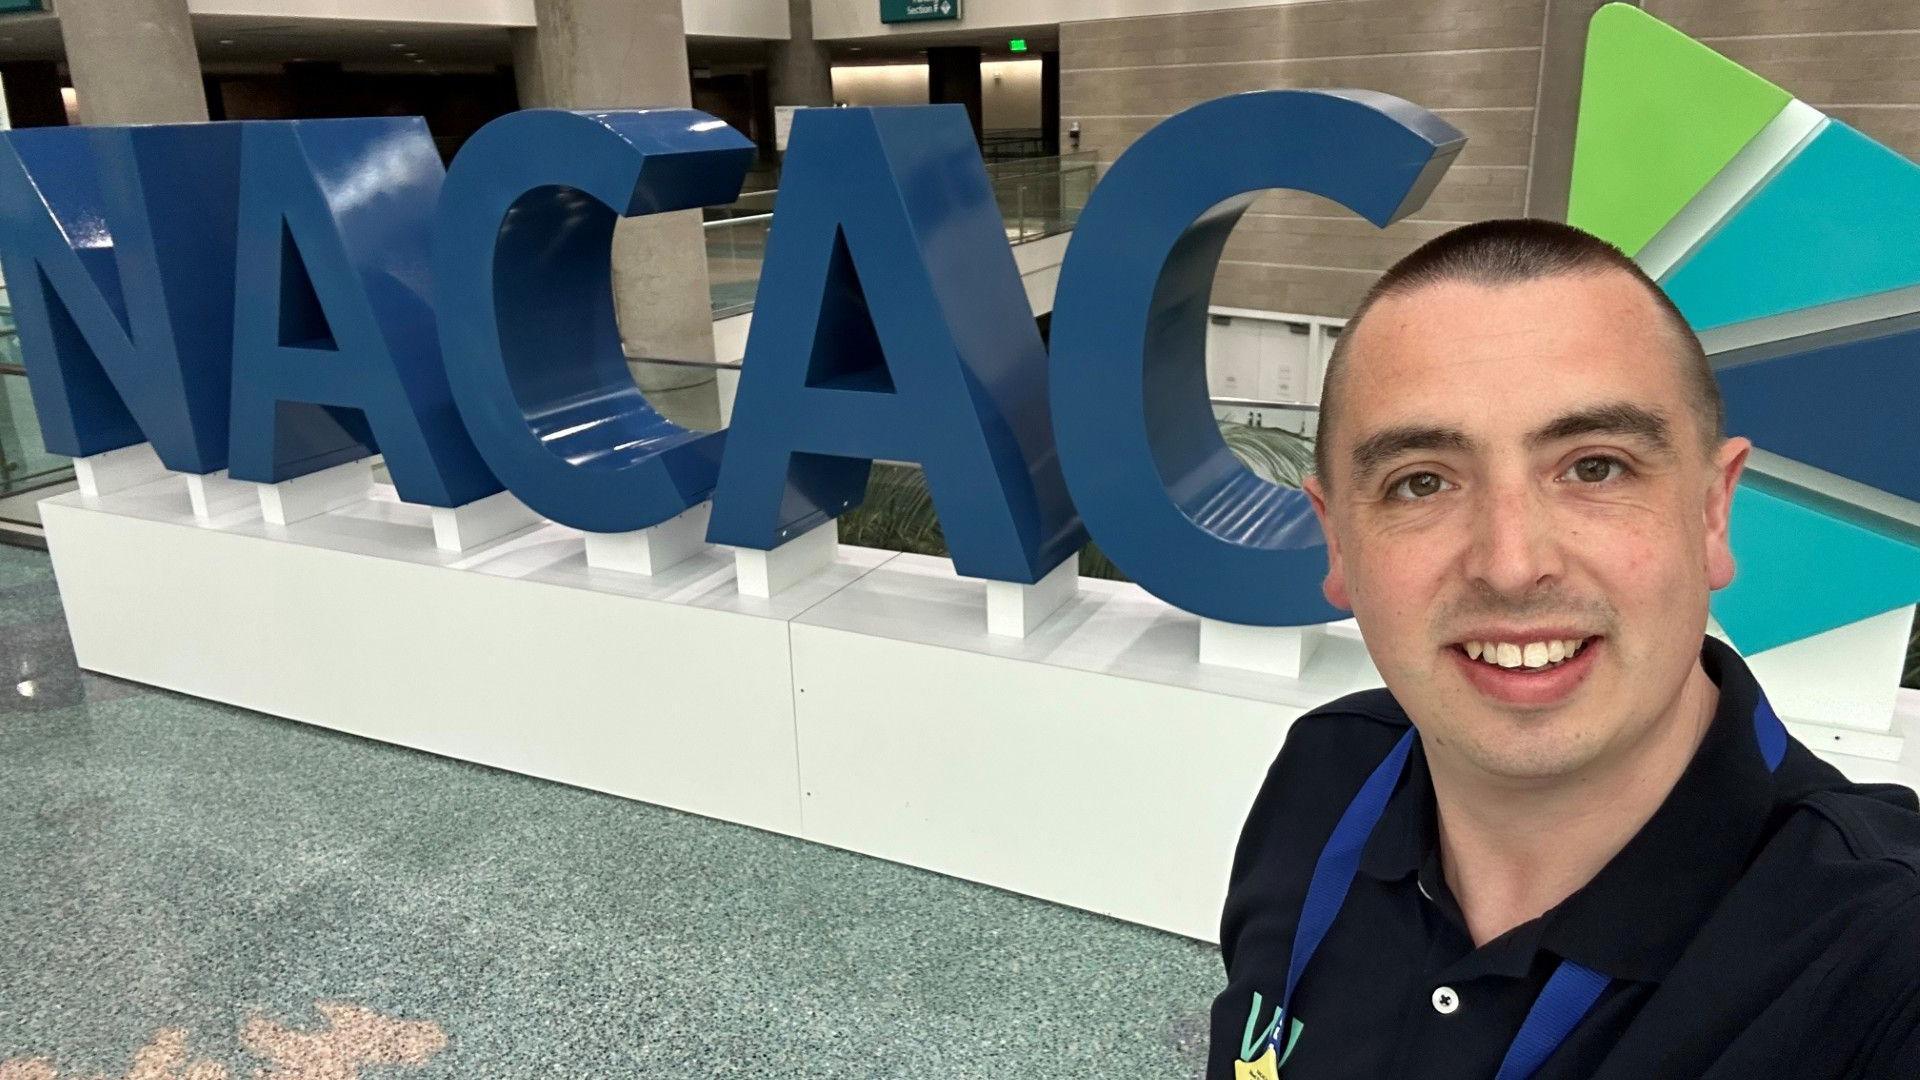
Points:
(1253, 403)
(718, 222)
(1233, 403)
(12, 369)
(720, 365)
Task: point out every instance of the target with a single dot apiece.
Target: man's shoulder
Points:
(1332, 749)
(1326, 755)
(1875, 823)
(1835, 822)
(1837, 886)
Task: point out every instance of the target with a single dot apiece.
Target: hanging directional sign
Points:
(899, 11)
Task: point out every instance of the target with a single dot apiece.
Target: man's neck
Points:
(1512, 852)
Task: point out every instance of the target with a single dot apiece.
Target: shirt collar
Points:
(1637, 915)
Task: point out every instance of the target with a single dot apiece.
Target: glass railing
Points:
(25, 464)
(1042, 197)
(736, 246)
(1038, 197)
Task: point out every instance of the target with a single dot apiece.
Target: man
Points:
(1569, 839)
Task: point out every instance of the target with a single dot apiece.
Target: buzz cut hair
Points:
(1508, 251)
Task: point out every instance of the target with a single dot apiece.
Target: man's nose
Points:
(1516, 543)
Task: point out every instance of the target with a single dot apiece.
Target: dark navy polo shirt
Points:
(1759, 925)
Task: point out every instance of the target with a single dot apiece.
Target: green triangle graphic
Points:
(1660, 115)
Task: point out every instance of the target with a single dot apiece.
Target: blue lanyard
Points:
(1571, 990)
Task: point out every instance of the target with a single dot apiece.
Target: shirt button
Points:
(1445, 1001)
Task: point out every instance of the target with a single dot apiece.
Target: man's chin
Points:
(1525, 757)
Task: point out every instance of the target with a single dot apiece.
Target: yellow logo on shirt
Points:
(1263, 1067)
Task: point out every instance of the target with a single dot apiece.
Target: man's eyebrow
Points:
(1381, 447)
(1615, 418)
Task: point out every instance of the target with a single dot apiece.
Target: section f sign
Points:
(899, 11)
(276, 298)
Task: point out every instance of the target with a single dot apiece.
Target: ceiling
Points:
(241, 43)
(233, 43)
(912, 48)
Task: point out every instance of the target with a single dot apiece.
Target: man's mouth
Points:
(1528, 668)
(1526, 655)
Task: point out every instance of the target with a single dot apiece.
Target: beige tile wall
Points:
(1858, 60)
(1477, 63)
(1474, 62)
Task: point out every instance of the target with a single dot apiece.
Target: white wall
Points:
(1010, 94)
(880, 84)
(861, 18)
(756, 19)
(458, 12)
(1009, 89)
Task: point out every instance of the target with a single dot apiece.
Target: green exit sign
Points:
(1018, 44)
(899, 11)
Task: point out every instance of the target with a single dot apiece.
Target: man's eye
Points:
(1417, 486)
(1596, 470)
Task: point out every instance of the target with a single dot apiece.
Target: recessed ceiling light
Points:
(223, 41)
(419, 60)
(398, 45)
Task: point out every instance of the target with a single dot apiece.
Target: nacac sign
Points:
(278, 297)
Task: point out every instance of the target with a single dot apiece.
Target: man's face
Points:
(1520, 467)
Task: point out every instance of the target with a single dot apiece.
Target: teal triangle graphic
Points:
(1802, 571)
(1841, 220)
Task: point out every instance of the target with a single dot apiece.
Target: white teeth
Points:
(1532, 654)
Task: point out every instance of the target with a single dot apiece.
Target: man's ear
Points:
(1728, 463)
(1334, 587)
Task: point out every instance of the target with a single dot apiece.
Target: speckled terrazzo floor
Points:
(195, 892)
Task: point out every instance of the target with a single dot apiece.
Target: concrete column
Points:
(798, 70)
(1050, 101)
(953, 74)
(605, 54)
(33, 93)
(133, 61)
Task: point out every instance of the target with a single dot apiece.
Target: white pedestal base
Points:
(314, 494)
(1853, 743)
(783, 714)
(1270, 650)
(215, 493)
(1800, 683)
(117, 470)
(460, 528)
(1015, 610)
(766, 573)
(652, 550)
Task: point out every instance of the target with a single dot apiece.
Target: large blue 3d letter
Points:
(118, 247)
(526, 302)
(335, 349)
(941, 364)
(1156, 483)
